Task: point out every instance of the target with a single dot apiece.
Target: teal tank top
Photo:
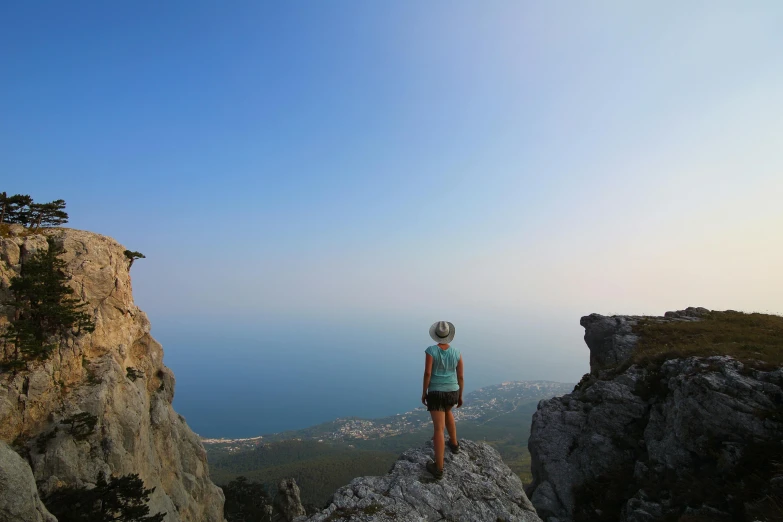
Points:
(444, 368)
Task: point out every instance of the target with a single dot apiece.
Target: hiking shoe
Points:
(434, 471)
(453, 447)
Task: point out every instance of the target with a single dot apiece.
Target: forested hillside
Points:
(321, 467)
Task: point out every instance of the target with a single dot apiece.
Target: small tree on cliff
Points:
(120, 499)
(133, 256)
(44, 307)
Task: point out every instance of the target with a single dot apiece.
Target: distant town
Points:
(481, 405)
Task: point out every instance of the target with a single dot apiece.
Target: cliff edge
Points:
(680, 418)
(101, 403)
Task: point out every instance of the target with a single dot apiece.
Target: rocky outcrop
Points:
(102, 402)
(18, 495)
(611, 340)
(288, 502)
(476, 487)
(687, 436)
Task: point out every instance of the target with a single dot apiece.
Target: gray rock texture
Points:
(287, 501)
(681, 437)
(611, 340)
(136, 429)
(476, 487)
(19, 501)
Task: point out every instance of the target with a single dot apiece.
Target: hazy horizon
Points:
(314, 184)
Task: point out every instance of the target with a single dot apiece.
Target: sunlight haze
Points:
(329, 178)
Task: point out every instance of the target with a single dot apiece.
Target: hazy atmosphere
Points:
(314, 184)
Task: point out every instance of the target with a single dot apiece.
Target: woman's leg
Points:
(438, 421)
(451, 426)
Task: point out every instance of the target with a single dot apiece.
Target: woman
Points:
(442, 389)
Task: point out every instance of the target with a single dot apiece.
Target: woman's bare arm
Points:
(460, 380)
(427, 375)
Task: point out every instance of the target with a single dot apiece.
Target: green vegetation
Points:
(133, 255)
(21, 209)
(320, 468)
(44, 310)
(246, 501)
(507, 433)
(81, 425)
(120, 499)
(275, 454)
(754, 339)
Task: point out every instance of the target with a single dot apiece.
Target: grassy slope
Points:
(756, 339)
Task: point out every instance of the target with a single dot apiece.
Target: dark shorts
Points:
(441, 400)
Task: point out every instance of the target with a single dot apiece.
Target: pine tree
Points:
(3, 205)
(21, 209)
(17, 209)
(50, 214)
(133, 256)
(246, 501)
(120, 499)
(45, 310)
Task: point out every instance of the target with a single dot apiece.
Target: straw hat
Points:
(442, 332)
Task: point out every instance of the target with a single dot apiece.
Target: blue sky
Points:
(372, 167)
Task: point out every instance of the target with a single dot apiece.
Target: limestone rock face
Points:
(611, 339)
(656, 442)
(476, 487)
(115, 375)
(19, 499)
(287, 501)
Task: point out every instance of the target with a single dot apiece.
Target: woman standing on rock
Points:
(442, 389)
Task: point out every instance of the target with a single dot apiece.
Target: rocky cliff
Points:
(19, 498)
(102, 402)
(681, 418)
(476, 487)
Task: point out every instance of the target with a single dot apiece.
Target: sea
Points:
(244, 384)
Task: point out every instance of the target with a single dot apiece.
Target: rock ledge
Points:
(476, 486)
(693, 437)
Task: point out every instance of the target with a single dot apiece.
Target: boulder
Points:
(16, 229)
(287, 501)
